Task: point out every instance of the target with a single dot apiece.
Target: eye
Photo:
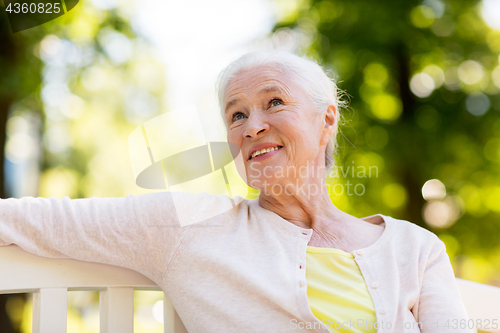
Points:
(236, 116)
(274, 101)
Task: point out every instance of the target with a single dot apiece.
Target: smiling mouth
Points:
(264, 151)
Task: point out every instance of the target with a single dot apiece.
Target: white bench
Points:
(482, 303)
(50, 279)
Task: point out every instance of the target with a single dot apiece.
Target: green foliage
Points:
(92, 79)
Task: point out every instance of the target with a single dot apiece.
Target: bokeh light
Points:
(376, 75)
(441, 214)
(451, 80)
(436, 73)
(386, 107)
(470, 72)
(492, 150)
(394, 195)
(433, 190)
(376, 137)
(116, 45)
(477, 103)
(495, 76)
(422, 16)
(422, 85)
(158, 311)
(490, 11)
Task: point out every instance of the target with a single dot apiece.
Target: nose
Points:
(255, 126)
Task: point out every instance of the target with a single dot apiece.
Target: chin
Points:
(265, 185)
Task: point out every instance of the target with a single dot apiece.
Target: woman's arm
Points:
(138, 232)
(440, 306)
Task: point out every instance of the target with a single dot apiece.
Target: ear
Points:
(329, 119)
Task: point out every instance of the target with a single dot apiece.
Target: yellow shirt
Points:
(337, 291)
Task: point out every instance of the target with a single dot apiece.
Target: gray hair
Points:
(318, 86)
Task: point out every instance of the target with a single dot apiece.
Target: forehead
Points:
(253, 80)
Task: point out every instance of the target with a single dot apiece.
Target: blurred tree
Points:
(90, 79)
(17, 82)
(424, 82)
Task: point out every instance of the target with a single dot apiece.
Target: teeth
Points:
(263, 151)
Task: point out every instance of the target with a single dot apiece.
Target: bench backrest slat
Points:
(172, 321)
(49, 310)
(117, 310)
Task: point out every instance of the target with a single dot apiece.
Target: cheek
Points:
(294, 133)
(302, 142)
(235, 136)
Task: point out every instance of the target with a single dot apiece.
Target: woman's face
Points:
(266, 109)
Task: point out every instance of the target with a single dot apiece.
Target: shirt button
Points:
(301, 284)
(300, 266)
(360, 252)
(383, 311)
(374, 285)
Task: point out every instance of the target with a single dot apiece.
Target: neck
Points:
(303, 209)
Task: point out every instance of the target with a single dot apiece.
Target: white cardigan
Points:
(242, 270)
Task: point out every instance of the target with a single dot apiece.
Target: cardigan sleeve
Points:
(440, 306)
(137, 232)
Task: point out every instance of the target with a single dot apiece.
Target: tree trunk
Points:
(409, 142)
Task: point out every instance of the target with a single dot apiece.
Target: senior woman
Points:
(285, 262)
